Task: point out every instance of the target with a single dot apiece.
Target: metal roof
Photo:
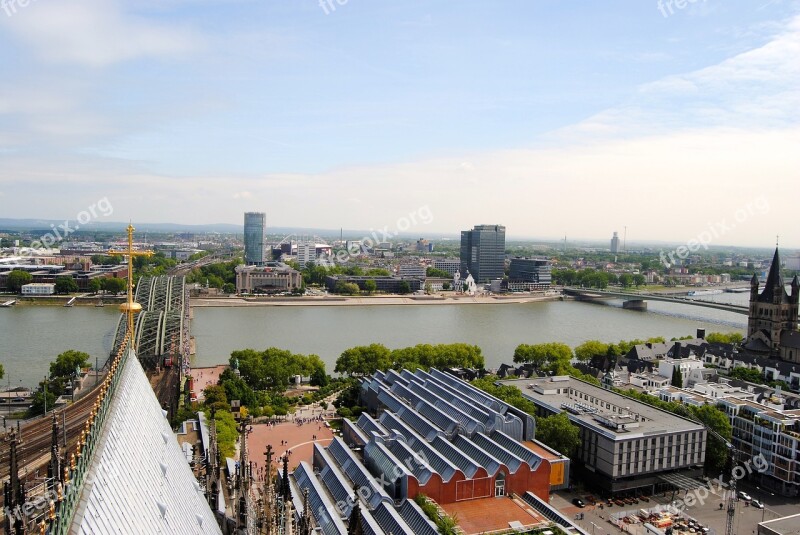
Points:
(139, 481)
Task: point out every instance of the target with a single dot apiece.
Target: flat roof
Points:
(787, 525)
(567, 394)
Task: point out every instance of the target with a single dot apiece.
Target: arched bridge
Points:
(162, 328)
(638, 300)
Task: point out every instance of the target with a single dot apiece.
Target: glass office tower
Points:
(255, 252)
(483, 251)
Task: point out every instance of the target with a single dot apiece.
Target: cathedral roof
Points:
(139, 480)
(774, 282)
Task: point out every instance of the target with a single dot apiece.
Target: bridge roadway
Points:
(646, 296)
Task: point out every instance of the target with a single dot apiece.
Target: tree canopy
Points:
(17, 279)
(273, 368)
(67, 362)
(65, 285)
(365, 360)
(558, 432)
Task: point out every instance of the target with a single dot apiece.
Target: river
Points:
(32, 336)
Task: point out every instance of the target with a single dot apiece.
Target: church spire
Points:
(774, 291)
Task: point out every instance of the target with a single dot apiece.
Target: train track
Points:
(35, 439)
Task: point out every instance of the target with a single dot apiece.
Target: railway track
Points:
(35, 439)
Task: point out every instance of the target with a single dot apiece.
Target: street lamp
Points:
(593, 527)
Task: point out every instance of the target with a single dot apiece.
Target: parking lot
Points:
(708, 513)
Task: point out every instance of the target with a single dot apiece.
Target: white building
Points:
(667, 367)
(450, 265)
(39, 288)
(306, 253)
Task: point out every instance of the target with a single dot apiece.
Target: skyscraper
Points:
(615, 243)
(483, 251)
(255, 224)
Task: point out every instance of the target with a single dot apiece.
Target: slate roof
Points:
(139, 480)
(774, 281)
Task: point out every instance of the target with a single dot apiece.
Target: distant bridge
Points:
(162, 328)
(638, 300)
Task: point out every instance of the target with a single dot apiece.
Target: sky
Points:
(555, 119)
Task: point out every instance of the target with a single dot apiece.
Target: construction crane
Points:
(731, 505)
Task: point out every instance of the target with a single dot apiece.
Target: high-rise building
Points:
(255, 252)
(483, 251)
(615, 243)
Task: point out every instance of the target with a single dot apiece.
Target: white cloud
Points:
(95, 33)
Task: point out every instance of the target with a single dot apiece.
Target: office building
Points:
(450, 265)
(535, 272)
(255, 251)
(626, 446)
(615, 243)
(412, 270)
(271, 277)
(306, 253)
(483, 252)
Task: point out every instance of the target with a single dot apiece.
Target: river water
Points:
(32, 336)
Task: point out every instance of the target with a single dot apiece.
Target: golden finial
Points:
(130, 308)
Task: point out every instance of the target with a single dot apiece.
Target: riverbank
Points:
(61, 300)
(202, 302)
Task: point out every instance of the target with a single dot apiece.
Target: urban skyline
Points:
(667, 113)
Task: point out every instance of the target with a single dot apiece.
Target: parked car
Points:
(757, 504)
(744, 496)
(578, 502)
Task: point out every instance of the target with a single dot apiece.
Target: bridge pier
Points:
(635, 304)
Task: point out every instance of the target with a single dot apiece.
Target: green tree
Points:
(378, 272)
(319, 377)
(677, 377)
(589, 349)
(559, 433)
(747, 374)
(114, 285)
(717, 453)
(626, 280)
(403, 288)
(370, 286)
(17, 279)
(723, 338)
(229, 288)
(346, 288)
(364, 360)
(67, 362)
(93, 285)
(445, 286)
(437, 273)
(215, 394)
(639, 280)
(65, 285)
(2, 371)
(38, 404)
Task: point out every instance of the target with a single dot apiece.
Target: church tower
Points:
(773, 312)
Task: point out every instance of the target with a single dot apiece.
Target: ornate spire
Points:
(286, 491)
(774, 291)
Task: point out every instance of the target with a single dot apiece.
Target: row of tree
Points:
(220, 275)
(591, 278)
(366, 360)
